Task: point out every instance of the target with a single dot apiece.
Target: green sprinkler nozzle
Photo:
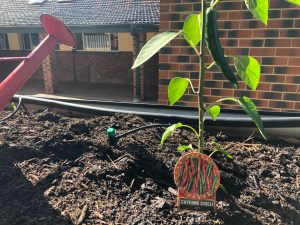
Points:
(112, 139)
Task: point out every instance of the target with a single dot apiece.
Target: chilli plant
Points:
(200, 31)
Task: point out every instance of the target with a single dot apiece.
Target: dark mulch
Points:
(57, 169)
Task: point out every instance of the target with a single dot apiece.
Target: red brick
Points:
(296, 43)
(293, 61)
(262, 52)
(276, 47)
(163, 58)
(281, 105)
(264, 87)
(288, 52)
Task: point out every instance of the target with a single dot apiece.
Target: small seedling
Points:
(13, 105)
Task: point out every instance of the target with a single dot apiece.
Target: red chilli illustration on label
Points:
(197, 178)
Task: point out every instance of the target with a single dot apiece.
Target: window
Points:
(30, 40)
(3, 42)
(97, 42)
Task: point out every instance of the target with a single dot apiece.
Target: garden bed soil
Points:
(58, 169)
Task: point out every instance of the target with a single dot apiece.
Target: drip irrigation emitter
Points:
(20, 104)
(113, 139)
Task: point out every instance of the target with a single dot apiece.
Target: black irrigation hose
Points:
(14, 112)
(141, 128)
(113, 138)
(229, 118)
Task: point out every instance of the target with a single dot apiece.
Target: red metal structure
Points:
(57, 32)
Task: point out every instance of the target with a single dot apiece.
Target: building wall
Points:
(64, 48)
(14, 41)
(103, 67)
(125, 42)
(276, 47)
(96, 67)
(151, 78)
(150, 35)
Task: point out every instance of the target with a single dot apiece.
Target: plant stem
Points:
(201, 109)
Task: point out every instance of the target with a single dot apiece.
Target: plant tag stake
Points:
(197, 178)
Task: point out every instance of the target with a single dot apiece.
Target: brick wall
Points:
(50, 74)
(138, 42)
(148, 72)
(151, 78)
(99, 67)
(107, 68)
(276, 47)
(94, 67)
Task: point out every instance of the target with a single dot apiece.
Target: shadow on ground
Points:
(25, 202)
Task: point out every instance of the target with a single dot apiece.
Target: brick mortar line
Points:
(288, 57)
(183, 13)
(274, 100)
(245, 47)
(223, 10)
(194, 63)
(241, 47)
(227, 20)
(281, 83)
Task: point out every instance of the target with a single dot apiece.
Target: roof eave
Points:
(114, 28)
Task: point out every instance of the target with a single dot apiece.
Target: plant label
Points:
(197, 178)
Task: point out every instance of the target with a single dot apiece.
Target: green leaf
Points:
(13, 105)
(153, 46)
(227, 154)
(177, 88)
(248, 105)
(168, 131)
(259, 9)
(296, 2)
(173, 127)
(192, 29)
(221, 186)
(222, 150)
(184, 147)
(214, 111)
(248, 69)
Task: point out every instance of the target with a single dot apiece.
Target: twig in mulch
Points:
(132, 182)
(82, 215)
(252, 145)
(112, 178)
(256, 182)
(124, 156)
(100, 217)
(115, 165)
(15, 188)
(249, 138)
(172, 191)
(149, 221)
